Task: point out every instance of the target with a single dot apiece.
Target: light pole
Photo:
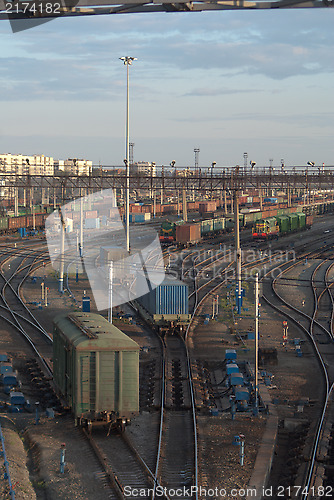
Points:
(213, 164)
(127, 62)
(245, 162)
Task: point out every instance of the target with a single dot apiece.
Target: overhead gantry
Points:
(47, 9)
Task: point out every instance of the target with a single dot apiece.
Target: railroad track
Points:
(14, 310)
(308, 481)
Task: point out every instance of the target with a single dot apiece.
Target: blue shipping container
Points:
(230, 354)
(232, 368)
(170, 297)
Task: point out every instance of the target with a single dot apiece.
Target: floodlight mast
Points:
(127, 62)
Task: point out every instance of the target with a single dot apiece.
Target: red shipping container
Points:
(39, 220)
(208, 206)
(188, 233)
(17, 222)
(135, 209)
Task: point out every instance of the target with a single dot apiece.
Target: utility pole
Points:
(184, 204)
(256, 381)
(127, 62)
(81, 226)
(237, 250)
(110, 291)
(62, 252)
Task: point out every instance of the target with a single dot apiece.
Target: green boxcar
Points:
(3, 223)
(206, 227)
(95, 367)
(219, 224)
(301, 220)
(284, 223)
(251, 217)
(293, 222)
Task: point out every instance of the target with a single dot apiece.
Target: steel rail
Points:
(328, 386)
(20, 329)
(36, 323)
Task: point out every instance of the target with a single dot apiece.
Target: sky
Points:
(259, 82)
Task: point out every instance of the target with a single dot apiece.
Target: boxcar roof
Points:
(92, 331)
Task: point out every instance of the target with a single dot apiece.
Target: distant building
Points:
(73, 166)
(25, 164)
(143, 168)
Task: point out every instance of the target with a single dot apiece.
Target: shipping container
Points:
(169, 298)
(38, 220)
(270, 200)
(92, 223)
(149, 208)
(138, 217)
(301, 220)
(293, 218)
(219, 224)
(3, 223)
(17, 222)
(207, 206)
(206, 227)
(135, 209)
(95, 367)
(188, 234)
(169, 209)
(284, 223)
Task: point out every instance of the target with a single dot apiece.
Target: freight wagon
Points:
(96, 370)
(166, 307)
(188, 234)
(10, 225)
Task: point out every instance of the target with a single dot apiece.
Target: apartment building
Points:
(26, 164)
(73, 166)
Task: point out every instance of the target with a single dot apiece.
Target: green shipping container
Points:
(301, 220)
(219, 224)
(293, 218)
(3, 223)
(95, 366)
(206, 227)
(284, 223)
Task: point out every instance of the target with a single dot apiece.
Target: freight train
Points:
(277, 223)
(25, 220)
(96, 370)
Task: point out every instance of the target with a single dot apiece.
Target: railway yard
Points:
(200, 428)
